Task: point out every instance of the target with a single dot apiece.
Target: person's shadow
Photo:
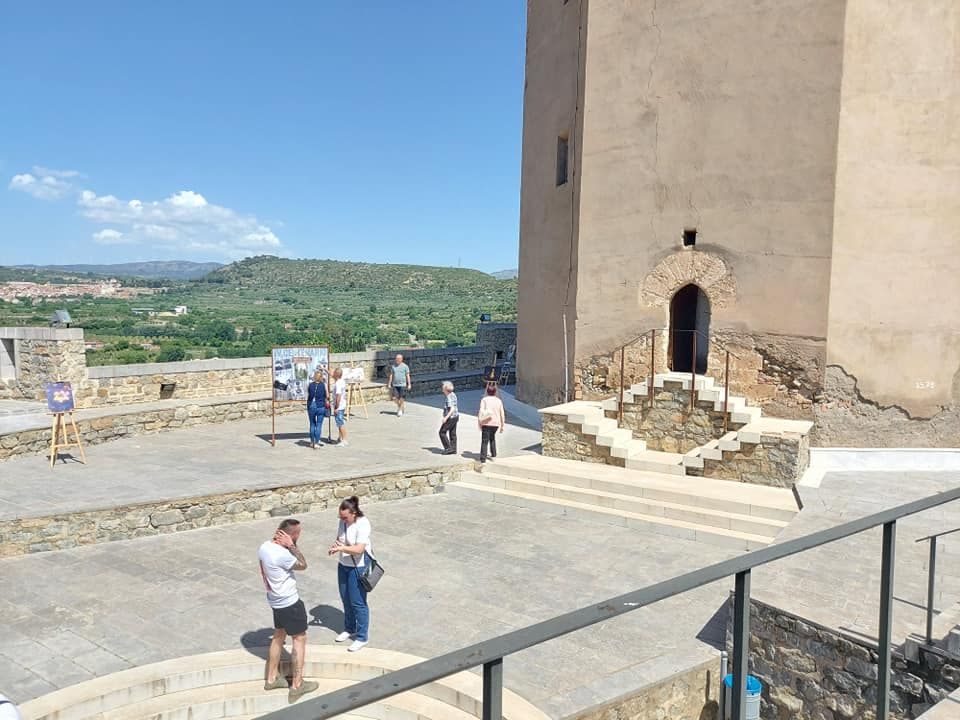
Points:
(257, 642)
(328, 617)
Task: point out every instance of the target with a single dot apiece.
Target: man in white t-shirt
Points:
(279, 558)
(8, 711)
(340, 405)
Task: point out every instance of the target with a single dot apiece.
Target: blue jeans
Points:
(316, 413)
(356, 614)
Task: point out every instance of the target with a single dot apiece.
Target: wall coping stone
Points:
(182, 366)
(40, 333)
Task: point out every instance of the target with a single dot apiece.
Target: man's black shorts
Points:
(292, 618)
(399, 391)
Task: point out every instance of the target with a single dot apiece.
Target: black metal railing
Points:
(931, 577)
(490, 653)
(693, 370)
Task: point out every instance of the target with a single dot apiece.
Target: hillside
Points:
(172, 269)
(245, 308)
(270, 272)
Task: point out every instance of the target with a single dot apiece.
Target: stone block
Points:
(166, 518)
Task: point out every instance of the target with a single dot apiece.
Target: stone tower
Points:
(778, 178)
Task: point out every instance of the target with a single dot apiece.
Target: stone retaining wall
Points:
(94, 431)
(811, 672)
(778, 461)
(57, 532)
(670, 425)
(689, 695)
(562, 439)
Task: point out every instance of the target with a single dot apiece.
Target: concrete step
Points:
(618, 437)
(946, 709)
(730, 442)
(629, 449)
(229, 684)
(740, 498)
(656, 461)
(586, 511)
(753, 432)
(629, 502)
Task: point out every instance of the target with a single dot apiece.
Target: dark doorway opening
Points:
(689, 316)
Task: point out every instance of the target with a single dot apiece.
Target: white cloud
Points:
(183, 221)
(111, 237)
(44, 183)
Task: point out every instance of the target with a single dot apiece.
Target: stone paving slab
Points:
(838, 585)
(211, 459)
(458, 572)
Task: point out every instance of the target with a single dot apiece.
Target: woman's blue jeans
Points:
(316, 413)
(356, 613)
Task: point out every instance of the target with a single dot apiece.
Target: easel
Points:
(60, 430)
(355, 397)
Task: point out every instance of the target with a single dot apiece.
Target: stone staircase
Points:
(594, 423)
(716, 512)
(229, 685)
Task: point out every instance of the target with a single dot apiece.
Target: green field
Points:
(245, 308)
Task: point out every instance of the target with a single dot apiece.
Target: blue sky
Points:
(376, 131)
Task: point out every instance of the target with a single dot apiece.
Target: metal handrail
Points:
(490, 653)
(693, 372)
(931, 576)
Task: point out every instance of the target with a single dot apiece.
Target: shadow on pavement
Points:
(328, 617)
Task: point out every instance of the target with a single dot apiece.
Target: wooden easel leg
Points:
(53, 438)
(76, 435)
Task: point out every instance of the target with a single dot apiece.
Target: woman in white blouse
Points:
(353, 546)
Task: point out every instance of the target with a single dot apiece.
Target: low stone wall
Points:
(670, 425)
(94, 431)
(497, 338)
(778, 461)
(57, 532)
(561, 439)
(122, 384)
(690, 695)
(811, 672)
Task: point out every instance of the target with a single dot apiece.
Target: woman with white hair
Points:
(451, 416)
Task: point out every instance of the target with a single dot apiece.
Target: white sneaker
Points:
(399, 413)
(356, 645)
(343, 637)
(343, 443)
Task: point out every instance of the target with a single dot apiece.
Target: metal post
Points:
(721, 693)
(653, 367)
(726, 392)
(693, 374)
(741, 645)
(930, 582)
(623, 350)
(493, 690)
(886, 613)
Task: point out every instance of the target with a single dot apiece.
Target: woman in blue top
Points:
(317, 406)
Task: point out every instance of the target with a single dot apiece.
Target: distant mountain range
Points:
(173, 269)
(505, 274)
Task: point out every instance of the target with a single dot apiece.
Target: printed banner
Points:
(294, 368)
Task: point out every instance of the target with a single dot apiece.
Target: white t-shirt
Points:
(357, 532)
(276, 567)
(8, 711)
(340, 390)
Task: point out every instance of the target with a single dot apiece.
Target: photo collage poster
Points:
(294, 368)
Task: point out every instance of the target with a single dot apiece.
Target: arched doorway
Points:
(689, 315)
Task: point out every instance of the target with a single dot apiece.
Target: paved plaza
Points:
(211, 459)
(459, 570)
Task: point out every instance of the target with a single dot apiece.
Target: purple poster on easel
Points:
(59, 397)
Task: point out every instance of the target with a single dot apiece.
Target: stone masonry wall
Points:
(40, 534)
(782, 375)
(496, 338)
(94, 431)
(561, 439)
(670, 425)
(778, 461)
(689, 695)
(43, 355)
(811, 672)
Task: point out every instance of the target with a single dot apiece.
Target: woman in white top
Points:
(491, 420)
(353, 545)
